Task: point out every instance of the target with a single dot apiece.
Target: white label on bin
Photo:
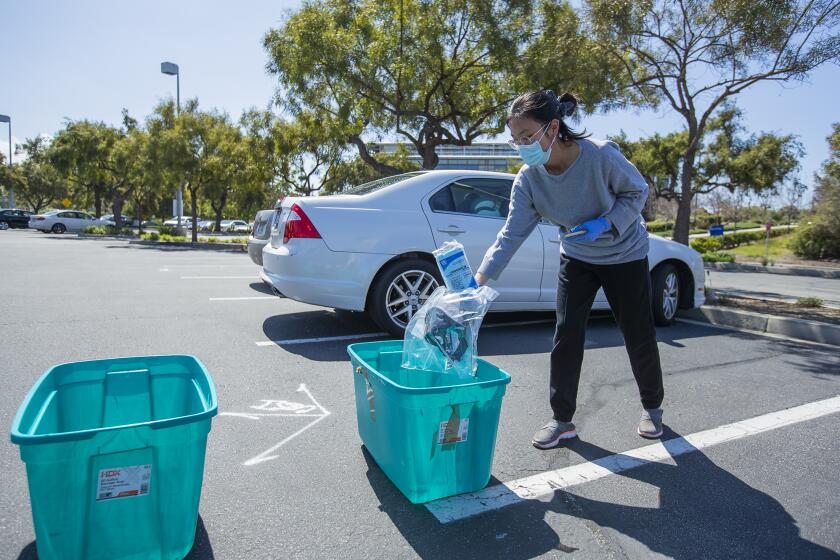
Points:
(453, 436)
(123, 482)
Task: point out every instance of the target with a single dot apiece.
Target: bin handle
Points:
(369, 392)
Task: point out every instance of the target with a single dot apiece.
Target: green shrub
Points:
(816, 241)
(809, 302)
(659, 226)
(706, 244)
(95, 230)
(150, 236)
(718, 256)
(167, 230)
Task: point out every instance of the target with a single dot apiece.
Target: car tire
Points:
(58, 228)
(386, 291)
(4, 225)
(665, 283)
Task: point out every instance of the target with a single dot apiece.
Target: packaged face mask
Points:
(453, 265)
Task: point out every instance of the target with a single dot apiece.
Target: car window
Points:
(66, 214)
(476, 196)
(373, 186)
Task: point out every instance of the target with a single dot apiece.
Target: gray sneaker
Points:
(650, 426)
(550, 435)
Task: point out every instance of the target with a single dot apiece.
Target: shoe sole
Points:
(565, 435)
(647, 435)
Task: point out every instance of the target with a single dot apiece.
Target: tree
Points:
(793, 197)
(434, 72)
(696, 55)
(725, 159)
(193, 149)
(35, 180)
(227, 171)
(821, 239)
(94, 158)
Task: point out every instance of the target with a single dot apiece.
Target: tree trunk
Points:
(139, 204)
(683, 222)
(194, 206)
(97, 200)
(219, 210)
(429, 155)
(118, 204)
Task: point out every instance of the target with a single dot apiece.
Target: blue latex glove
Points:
(594, 229)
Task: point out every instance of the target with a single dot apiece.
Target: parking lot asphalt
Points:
(285, 487)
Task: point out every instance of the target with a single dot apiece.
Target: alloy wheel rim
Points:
(670, 295)
(407, 293)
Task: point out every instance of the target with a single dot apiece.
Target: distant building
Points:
(482, 156)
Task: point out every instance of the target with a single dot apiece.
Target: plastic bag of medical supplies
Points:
(442, 335)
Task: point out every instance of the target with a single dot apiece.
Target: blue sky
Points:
(89, 59)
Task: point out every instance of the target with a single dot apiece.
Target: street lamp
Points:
(8, 119)
(171, 69)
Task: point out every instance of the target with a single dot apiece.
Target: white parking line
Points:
(241, 298)
(252, 277)
(544, 484)
(322, 339)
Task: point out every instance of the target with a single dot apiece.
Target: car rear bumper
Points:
(255, 250)
(306, 270)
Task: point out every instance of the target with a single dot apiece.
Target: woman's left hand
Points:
(594, 229)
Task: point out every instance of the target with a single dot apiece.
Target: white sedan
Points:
(59, 221)
(370, 249)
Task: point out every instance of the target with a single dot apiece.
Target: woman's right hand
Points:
(481, 279)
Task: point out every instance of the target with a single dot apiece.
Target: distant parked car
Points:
(59, 221)
(260, 234)
(370, 249)
(206, 225)
(108, 220)
(186, 222)
(13, 218)
(237, 226)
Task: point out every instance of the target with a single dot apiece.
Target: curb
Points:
(93, 236)
(802, 329)
(229, 247)
(776, 269)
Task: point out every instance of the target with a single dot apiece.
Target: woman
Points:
(596, 196)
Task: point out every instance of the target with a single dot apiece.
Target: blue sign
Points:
(716, 230)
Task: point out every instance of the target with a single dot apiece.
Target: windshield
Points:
(368, 188)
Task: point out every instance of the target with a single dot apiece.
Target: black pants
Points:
(627, 287)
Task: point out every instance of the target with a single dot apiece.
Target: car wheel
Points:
(399, 291)
(4, 225)
(666, 294)
(59, 228)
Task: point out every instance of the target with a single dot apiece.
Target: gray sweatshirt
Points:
(600, 182)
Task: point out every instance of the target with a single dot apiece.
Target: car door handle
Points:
(556, 240)
(452, 230)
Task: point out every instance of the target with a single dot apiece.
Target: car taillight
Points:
(40, 218)
(298, 225)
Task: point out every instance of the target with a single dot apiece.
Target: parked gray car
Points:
(260, 235)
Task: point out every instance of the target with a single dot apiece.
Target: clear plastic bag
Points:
(442, 335)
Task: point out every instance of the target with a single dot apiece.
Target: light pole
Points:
(171, 69)
(8, 119)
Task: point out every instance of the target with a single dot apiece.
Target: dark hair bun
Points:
(566, 104)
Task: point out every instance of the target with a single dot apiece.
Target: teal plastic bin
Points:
(432, 433)
(114, 453)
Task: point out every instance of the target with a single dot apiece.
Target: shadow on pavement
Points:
(602, 332)
(201, 550)
(527, 535)
(704, 512)
(261, 288)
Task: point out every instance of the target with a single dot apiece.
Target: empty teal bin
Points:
(432, 433)
(114, 453)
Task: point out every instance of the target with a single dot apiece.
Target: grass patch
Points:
(718, 256)
(778, 247)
